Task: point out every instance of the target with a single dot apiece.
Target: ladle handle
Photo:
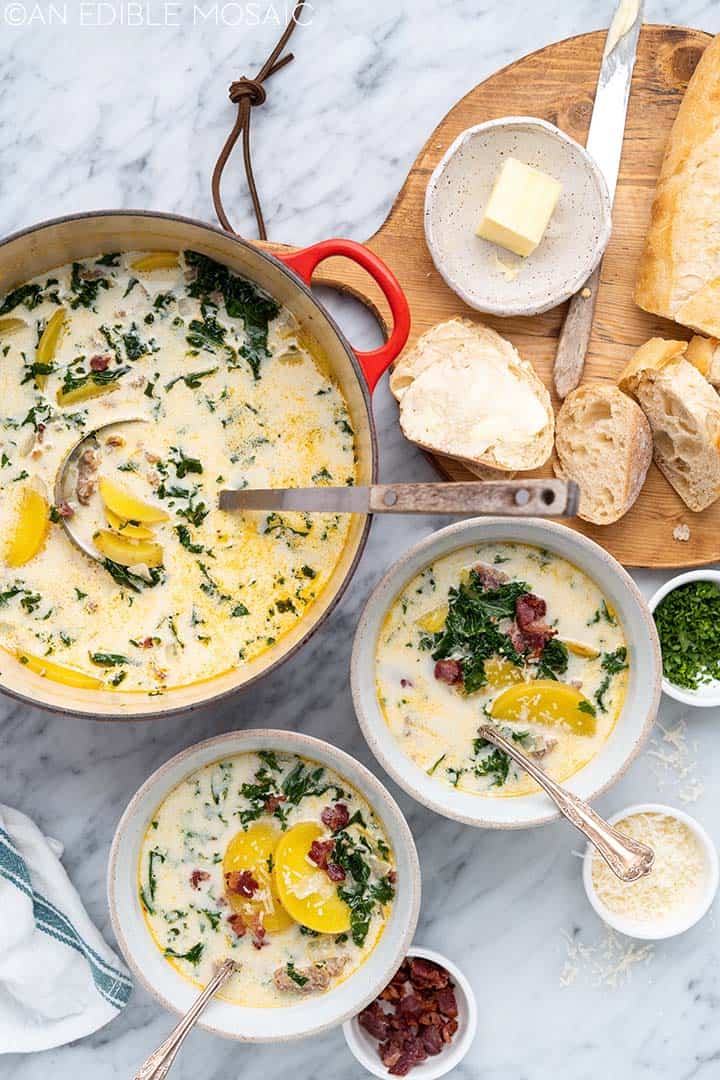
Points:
(158, 1064)
(627, 858)
(520, 498)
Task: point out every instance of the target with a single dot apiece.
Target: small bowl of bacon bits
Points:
(424, 1020)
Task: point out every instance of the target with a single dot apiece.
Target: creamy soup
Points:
(508, 634)
(273, 861)
(234, 397)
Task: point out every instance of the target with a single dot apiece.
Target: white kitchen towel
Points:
(59, 981)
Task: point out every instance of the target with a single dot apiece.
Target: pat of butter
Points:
(520, 207)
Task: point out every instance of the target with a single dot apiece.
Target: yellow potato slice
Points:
(125, 528)
(10, 326)
(85, 392)
(48, 343)
(434, 620)
(501, 673)
(254, 850)
(127, 506)
(127, 552)
(305, 891)
(580, 648)
(31, 528)
(155, 260)
(545, 701)
(58, 672)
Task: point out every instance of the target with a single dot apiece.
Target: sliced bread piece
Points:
(464, 391)
(684, 414)
(603, 441)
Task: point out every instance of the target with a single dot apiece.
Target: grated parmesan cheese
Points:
(675, 762)
(609, 962)
(676, 881)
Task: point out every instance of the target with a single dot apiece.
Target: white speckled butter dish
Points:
(487, 277)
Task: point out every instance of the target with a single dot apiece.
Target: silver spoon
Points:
(68, 470)
(158, 1064)
(627, 858)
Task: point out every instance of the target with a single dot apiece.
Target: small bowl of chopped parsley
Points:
(687, 616)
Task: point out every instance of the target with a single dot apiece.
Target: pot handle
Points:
(375, 361)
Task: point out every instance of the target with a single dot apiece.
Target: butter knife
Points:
(604, 143)
(519, 498)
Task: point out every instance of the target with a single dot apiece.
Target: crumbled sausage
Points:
(87, 471)
(317, 976)
(449, 671)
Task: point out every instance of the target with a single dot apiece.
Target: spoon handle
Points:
(158, 1064)
(627, 858)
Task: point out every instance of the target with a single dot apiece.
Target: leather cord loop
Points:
(246, 94)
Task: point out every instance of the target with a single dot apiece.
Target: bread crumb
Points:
(681, 532)
(586, 293)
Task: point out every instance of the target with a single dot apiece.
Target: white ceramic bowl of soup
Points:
(302, 1016)
(635, 715)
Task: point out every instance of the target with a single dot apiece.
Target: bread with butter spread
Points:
(464, 391)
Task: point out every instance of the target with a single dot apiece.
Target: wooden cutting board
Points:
(558, 84)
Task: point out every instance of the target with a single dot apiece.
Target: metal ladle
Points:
(69, 465)
(627, 858)
(524, 498)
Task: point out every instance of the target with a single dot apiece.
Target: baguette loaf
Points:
(679, 275)
(464, 391)
(684, 415)
(604, 442)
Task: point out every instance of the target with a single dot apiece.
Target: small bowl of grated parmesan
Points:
(678, 890)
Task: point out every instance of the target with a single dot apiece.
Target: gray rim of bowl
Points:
(582, 275)
(309, 743)
(428, 543)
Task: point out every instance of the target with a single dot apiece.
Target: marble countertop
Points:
(132, 114)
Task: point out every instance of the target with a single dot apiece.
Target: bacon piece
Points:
(410, 1007)
(488, 577)
(374, 1020)
(405, 682)
(258, 932)
(432, 1040)
(272, 803)
(449, 671)
(426, 974)
(449, 1030)
(530, 633)
(197, 876)
(241, 882)
(335, 817)
(99, 363)
(335, 872)
(320, 852)
(237, 924)
(447, 1002)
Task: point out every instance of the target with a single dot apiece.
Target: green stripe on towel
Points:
(114, 986)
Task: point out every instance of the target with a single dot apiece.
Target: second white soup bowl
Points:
(641, 701)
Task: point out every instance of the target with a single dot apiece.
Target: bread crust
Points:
(679, 274)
